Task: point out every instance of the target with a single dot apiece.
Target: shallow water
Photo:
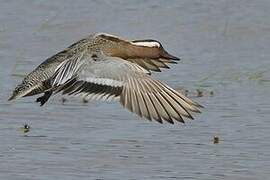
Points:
(224, 46)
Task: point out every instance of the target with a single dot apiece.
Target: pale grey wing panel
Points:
(100, 77)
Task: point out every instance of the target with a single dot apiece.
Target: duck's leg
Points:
(43, 99)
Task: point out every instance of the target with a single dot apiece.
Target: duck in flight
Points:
(106, 67)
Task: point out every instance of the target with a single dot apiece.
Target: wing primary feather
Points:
(152, 109)
(135, 102)
(143, 106)
(168, 95)
(160, 104)
(192, 106)
(141, 102)
(165, 106)
(184, 111)
(174, 105)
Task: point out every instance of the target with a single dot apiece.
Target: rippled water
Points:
(224, 46)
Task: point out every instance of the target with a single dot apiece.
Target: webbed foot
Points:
(43, 99)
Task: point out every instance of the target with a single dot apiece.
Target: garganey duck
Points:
(107, 67)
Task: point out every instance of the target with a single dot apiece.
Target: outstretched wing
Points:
(107, 78)
(147, 53)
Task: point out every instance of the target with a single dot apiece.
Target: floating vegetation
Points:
(203, 82)
(258, 76)
(25, 128)
(186, 92)
(199, 92)
(215, 140)
(230, 75)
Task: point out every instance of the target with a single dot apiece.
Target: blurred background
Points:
(224, 51)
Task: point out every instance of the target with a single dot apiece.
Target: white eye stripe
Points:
(147, 44)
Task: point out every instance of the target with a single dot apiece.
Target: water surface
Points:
(224, 46)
